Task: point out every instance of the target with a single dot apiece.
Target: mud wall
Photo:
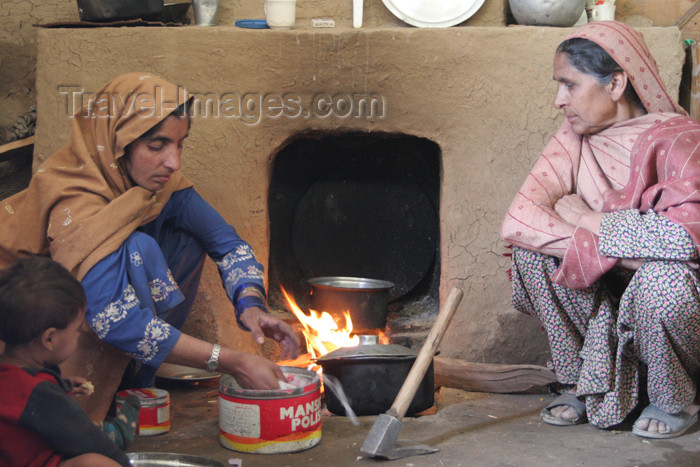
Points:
(18, 20)
(18, 36)
(483, 94)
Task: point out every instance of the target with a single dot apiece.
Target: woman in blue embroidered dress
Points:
(113, 207)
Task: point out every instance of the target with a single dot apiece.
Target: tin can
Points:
(154, 416)
(271, 421)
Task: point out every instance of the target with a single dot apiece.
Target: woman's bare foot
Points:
(565, 412)
(655, 426)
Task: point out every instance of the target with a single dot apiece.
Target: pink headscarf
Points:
(627, 47)
(642, 163)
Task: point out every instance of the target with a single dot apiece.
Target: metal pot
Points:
(114, 10)
(371, 375)
(365, 299)
(563, 13)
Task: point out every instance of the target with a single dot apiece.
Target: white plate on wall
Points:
(433, 13)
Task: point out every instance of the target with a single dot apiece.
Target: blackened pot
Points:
(372, 375)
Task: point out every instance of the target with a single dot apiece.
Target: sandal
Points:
(676, 424)
(569, 399)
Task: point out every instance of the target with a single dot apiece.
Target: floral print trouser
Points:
(608, 349)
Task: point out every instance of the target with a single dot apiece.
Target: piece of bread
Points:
(88, 385)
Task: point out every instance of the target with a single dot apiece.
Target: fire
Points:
(321, 332)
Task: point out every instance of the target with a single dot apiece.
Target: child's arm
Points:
(65, 426)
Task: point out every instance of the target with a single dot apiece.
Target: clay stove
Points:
(358, 204)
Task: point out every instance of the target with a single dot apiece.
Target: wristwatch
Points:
(213, 362)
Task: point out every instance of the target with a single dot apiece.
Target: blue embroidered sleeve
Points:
(128, 300)
(234, 257)
(648, 236)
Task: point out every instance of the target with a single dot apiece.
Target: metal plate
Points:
(173, 372)
(158, 459)
(432, 14)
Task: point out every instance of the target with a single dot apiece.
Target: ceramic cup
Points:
(280, 14)
(603, 12)
(205, 12)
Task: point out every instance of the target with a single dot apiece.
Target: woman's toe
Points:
(652, 426)
(642, 424)
(569, 413)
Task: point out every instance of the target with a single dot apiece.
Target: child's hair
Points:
(37, 293)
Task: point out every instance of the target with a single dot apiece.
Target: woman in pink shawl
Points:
(605, 233)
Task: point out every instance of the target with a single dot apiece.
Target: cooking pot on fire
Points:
(371, 376)
(365, 299)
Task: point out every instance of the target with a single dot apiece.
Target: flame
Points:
(321, 332)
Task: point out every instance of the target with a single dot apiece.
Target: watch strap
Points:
(213, 362)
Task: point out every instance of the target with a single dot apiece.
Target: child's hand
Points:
(81, 386)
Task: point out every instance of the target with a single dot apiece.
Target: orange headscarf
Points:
(80, 204)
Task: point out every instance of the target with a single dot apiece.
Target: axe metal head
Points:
(382, 439)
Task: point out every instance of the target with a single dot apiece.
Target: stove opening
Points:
(360, 205)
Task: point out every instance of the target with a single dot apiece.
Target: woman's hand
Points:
(263, 324)
(576, 212)
(251, 371)
(630, 263)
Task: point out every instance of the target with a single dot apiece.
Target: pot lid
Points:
(432, 14)
(369, 352)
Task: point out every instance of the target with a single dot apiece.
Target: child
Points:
(42, 307)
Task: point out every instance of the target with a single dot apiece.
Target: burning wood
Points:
(302, 361)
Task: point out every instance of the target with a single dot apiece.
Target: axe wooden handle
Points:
(425, 356)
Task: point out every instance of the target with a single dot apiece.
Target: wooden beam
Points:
(19, 148)
(489, 377)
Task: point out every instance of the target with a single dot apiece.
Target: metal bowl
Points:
(561, 13)
(160, 459)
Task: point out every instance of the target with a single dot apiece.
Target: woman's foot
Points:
(565, 412)
(567, 409)
(654, 423)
